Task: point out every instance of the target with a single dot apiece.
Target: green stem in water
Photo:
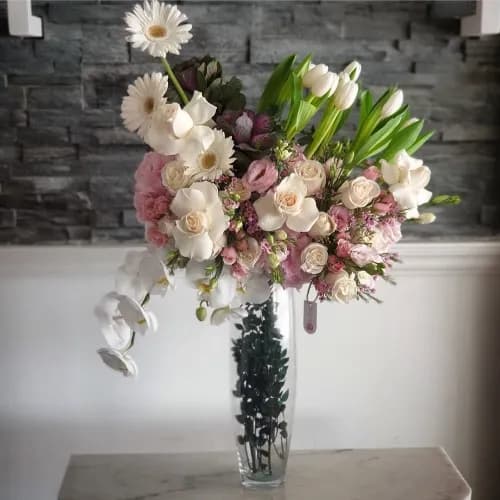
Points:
(174, 80)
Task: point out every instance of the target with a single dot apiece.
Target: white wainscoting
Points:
(422, 369)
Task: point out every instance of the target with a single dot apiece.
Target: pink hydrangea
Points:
(150, 206)
(148, 173)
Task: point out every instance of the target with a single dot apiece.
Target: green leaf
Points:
(403, 139)
(419, 142)
(366, 102)
(275, 84)
(303, 66)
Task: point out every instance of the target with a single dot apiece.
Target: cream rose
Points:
(344, 287)
(313, 174)
(287, 205)
(173, 175)
(358, 192)
(313, 258)
(200, 225)
(324, 226)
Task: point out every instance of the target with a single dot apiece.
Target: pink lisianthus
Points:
(343, 248)
(385, 203)
(229, 255)
(148, 173)
(341, 216)
(292, 273)
(334, 264)
(260, 176)
(155, 236)
(386, 235)
(372, 173)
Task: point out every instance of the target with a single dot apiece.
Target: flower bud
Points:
(345, 95)
(201, 313)
(426, 218)
(274, 261)
(393, 104)
(313, 74)
(353, 69)
(281, 235)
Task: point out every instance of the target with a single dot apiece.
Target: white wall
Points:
(421, 369)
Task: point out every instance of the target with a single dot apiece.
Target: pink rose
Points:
(372, 173)
(148, 173)
(155, 236)
(260, 176)
(343, 249)
(229, 255)
(341, 216)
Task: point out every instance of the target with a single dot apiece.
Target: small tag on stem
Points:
(310, 316)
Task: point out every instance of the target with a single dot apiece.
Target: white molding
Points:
(21, 20)
(486, 20)
(418, 258)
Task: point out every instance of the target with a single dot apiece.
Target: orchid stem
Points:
(174, 80)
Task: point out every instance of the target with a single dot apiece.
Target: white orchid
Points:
(407, 178)
(176, 130)
(115, 330)
(287, 205)
(222, 314)
(118, 361)
(135, 316)
(201, 222)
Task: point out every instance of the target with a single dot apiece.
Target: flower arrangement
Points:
(245, 199)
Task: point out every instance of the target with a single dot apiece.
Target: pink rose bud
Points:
(229, 255)
(372, 173)
(260, 176)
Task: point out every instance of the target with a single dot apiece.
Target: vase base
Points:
(261, 485)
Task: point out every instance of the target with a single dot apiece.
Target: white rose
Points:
(366, 280)
(313, 174)
(201, 222)
(173, 175)
(313, 258)
(248, 257)
(324, 226)
(358, 192)
(344, 287)
(287, 205)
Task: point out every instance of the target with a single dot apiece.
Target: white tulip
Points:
(345, 95)
(287, 205)
(353, 69)
(393, 104)
(324, 84)
(313, 74)
(426, 218)
(118, 361)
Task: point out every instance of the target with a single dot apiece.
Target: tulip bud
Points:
(324, 83)
(313, 74)
(345, 95)
(426, 218)
(392, 105)
(353, 69)
(201, 313)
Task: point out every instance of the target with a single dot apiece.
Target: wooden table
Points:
(393, 474)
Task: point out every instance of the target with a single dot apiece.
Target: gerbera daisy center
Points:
(157, 31)
(149, 105)
(208, 160)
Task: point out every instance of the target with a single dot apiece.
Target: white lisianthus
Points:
(343, 286)
(407, 178)
(199, 229)
(176, 130)
(346, 93)
(313, 174)
(359, 192)
(353, 70)
(311, 76)
(363, 255)
(211, 161)
(313, 258)
(136, 317)
(365, 280)
(256, 289)
(173, 175)
(393, 104)
(113, 327)
(158, 28)
(287, 205)
(323, 227)
(118, 361)
(426, 218)
(249, 257)
(385, 236)
(144, 103)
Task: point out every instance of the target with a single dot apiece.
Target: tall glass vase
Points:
(263, 351)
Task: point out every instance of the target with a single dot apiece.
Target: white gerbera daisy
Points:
(211, 162)
(144, 101)
(157, 28)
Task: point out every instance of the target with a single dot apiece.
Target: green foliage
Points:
(404, 138)
(275, 84)
(262, 366)
(446, 199)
